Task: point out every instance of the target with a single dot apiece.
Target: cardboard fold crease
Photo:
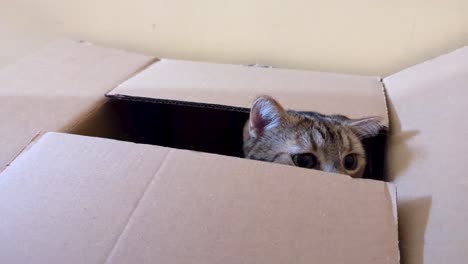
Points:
(82, 194)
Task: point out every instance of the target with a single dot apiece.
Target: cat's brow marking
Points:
(319, 136)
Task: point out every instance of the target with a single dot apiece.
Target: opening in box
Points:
(198, 127)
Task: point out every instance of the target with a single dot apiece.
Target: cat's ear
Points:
(266, 113)
(366, 127)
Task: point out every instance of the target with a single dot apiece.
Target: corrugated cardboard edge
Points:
(392, 190)
(384, 94)
(110, 95)
(33, 141)
(177, 102)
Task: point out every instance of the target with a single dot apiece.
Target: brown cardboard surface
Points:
(237, 85)
(427, 158)
(55, 88)
(66, 199)
(74, 199)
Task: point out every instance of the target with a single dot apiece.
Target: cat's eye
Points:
(350, 162)
(306, 160)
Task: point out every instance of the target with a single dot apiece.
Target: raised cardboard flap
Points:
(427, 158)
(74, 199)
(53, 89)
(237, 86)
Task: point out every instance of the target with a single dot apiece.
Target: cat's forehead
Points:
(324, 127)
(321, 133)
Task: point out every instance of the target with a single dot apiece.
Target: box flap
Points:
(74, 199)
(219, 85)
(427, 157)
(54, 88)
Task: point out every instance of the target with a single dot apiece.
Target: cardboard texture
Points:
(427, 154)
(237, 86)
(54, 89)
(324, 215)
(106, 201)
(89, 200)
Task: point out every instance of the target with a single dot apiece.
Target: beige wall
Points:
(375, 37)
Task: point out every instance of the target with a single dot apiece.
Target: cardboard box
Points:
(93, 198)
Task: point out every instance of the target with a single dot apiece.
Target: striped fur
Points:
(273, 134)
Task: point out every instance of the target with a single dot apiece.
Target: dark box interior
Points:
(198, 127)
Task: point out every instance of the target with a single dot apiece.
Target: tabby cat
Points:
(331, 143)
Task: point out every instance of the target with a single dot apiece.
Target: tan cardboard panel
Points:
(67, 198)
(427, 158)
(55, 88)
(257, 213)
(74, 199)
(237, 85)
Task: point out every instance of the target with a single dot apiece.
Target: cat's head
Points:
(330, 143)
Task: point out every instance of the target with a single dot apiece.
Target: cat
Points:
(330, 143)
